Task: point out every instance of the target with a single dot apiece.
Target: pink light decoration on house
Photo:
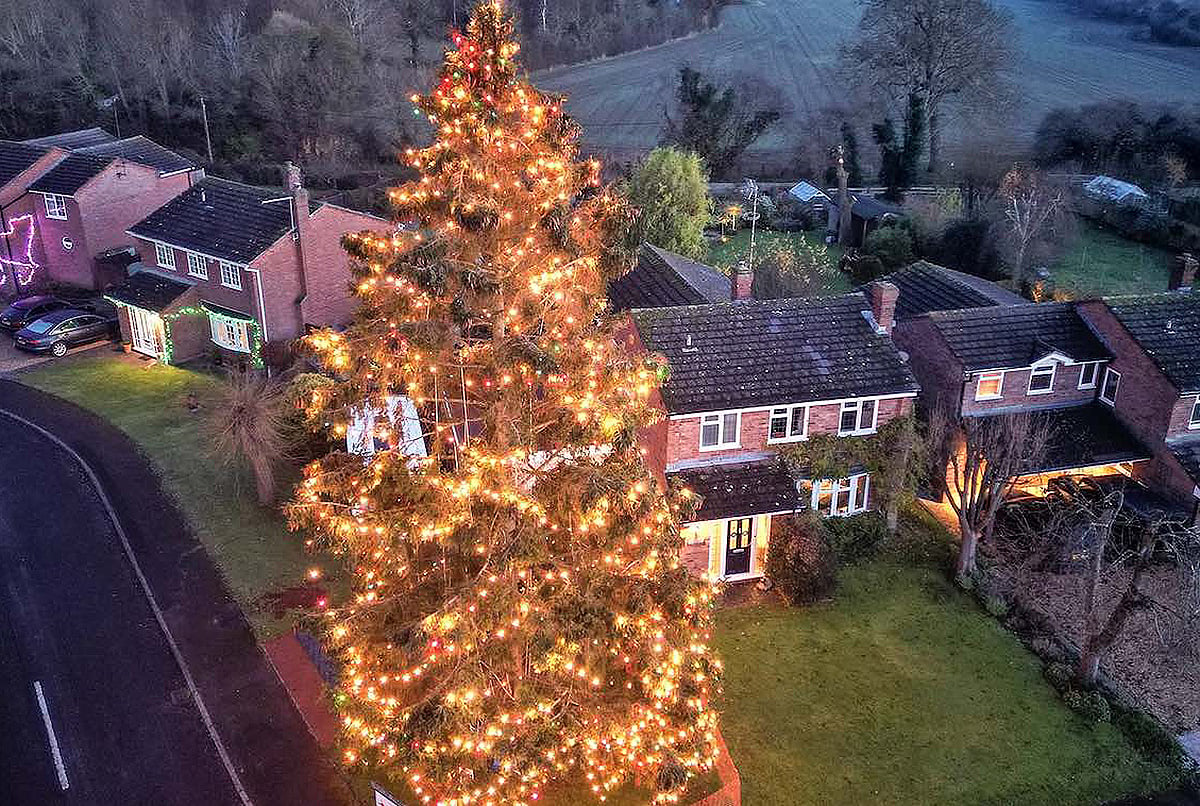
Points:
(26, 264)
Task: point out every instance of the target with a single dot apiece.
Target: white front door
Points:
(146, 329)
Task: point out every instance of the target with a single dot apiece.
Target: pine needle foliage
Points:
(519, 616)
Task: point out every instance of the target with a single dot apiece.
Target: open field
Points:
(901, 691)
(1063, 60)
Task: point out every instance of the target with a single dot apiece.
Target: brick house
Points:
(68, 198)
(227, 267)
(1152, 384)
(1043, 358)
(926, 287)
(749, 377)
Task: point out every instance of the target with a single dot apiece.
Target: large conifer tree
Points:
(519, 615)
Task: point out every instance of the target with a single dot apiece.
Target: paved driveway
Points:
(12, 359)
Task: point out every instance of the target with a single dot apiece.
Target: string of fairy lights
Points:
(520, 621)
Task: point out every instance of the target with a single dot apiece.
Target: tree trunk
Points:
(965, 566)
(1089, 666)
(264, 481)
(1018, 269)
(935, 137)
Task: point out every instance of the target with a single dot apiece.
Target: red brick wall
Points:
(936, 368)
(329, 300)
(73, 266)
(683, 434)
(25, 205)
(1016, 383)
(279, 268)
(1181, 414)
(1147, 403)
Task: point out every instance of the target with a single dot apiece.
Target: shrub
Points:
(1059, 675)
(1090, 705)
(857, 537)
(892, 245)
(969, 245)
(1148, 736)
(865, 268)
(996, 606)
(801, 562)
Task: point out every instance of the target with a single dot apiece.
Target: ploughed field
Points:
(1062, 60)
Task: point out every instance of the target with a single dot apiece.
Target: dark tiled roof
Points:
(1167, 326)
(143, 151)
(763, 352)
(661, 279)
(1188, 454)
(1084, 436)
(871, 208)
(748, 488)
(221, 219)
(148, 291)
(17, 157)
(70, 174)
(926, 287)
(81, 138)
(1017, 335)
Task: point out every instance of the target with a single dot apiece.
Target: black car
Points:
(61, 329)
(27, 310)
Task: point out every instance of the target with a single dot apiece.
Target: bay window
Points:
(841, 497)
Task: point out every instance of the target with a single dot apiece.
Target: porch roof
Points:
(148, 291)
(1086, 436)
(745, 488)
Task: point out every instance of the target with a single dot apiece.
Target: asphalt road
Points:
(74, 621)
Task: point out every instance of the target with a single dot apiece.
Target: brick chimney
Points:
(743, 282)
(1183, 272)
(883, 296)
(299, 194)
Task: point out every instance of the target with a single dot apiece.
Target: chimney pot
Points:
(883, 296)
(1183, 272)
(743, 282)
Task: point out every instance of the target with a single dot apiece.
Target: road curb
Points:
(94, 479)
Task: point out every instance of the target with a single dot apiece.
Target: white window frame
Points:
(1110, 372)
(56, 206)
(851, 486)
(723, 442)
(999, 376)
(1194, 416)
(164, 256)
(231, 275)
(1040, 370)
(857, 406)
(232, 334)
(790, 413)
(197, 265)
(1083, 368)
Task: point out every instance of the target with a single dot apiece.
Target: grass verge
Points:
(250, 544)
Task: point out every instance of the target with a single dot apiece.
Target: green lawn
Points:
(725, 254)
(902, 692)
(1102, 262)
(250, 544)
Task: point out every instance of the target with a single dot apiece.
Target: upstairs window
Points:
(231, 277)
(1194, 419)
(1087, 375)
(1112, 383)
(164, 256)
(788, 424)
(858, 417)
(56, 206)
(197, 266)
(1041, 379)
(990, 386)
(719, 431)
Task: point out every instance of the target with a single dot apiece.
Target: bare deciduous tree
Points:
(984, 458)
(943, 51)
(1031, 204)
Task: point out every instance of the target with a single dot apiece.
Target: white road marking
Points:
(234, 778)
(54, 751)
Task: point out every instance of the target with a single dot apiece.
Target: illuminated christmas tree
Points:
(519, 617)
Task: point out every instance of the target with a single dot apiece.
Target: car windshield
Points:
(41, 326)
